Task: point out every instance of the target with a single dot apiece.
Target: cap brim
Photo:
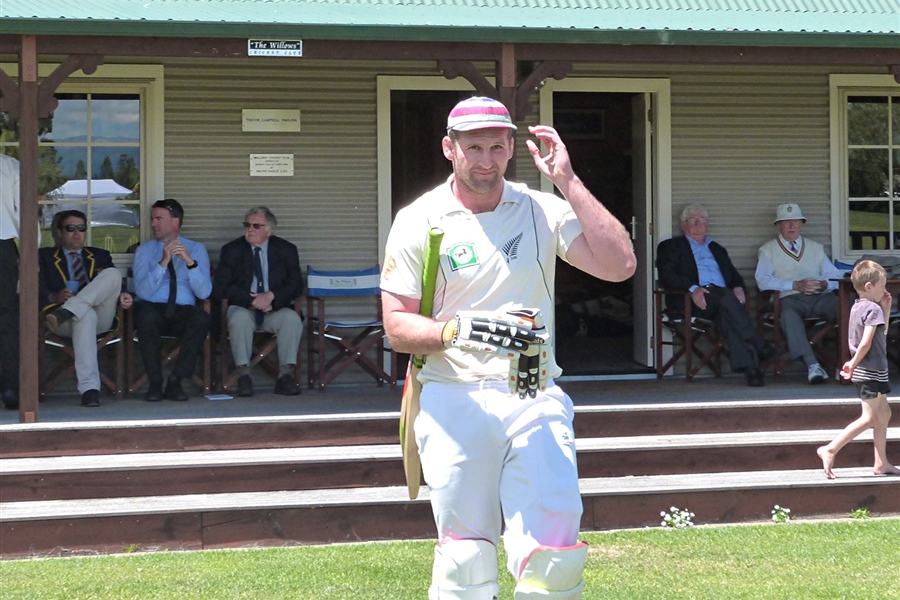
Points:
(482, 125)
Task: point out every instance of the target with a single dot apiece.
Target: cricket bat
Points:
(412, 389)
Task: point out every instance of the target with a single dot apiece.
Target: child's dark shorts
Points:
(871, 389)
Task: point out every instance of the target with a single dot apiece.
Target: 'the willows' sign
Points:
(274, 48)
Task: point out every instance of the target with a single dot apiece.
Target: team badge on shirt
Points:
(462, 255)
(511, 248)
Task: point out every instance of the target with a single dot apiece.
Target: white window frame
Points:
(147, 81)
(840, 87)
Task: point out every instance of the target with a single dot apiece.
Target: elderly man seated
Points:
(695, 263)
(801, 272)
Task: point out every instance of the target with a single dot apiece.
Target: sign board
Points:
(271, 165)
(274, 48)
(263, 119)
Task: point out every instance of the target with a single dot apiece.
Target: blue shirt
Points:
(707, 267)
(151, 281)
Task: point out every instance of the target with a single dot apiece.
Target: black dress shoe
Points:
(244, 386)
(11, 399)
(174, 391)
(154, 393)
(755, 378)
(286, 386)
(57, 317)
(90, 398)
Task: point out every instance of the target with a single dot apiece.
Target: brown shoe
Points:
(57, 317)
(286, 386)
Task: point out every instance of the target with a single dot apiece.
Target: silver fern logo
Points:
(511, 248)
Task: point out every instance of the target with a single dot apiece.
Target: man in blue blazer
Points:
(79, 290)
(259, 275)
(695, 263)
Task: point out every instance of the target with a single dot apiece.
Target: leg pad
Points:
(553, 573)
(464, 570)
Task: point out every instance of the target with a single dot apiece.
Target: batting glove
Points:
(502, 333)
(531, 372)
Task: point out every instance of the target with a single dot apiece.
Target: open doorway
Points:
(595, 320)
(598, 125)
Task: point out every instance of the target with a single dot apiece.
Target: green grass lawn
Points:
(853, 559)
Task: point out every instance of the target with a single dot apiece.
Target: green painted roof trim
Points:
(448, 34)
(822, 23)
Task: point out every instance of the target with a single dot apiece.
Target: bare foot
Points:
(887, 470)
(827, 460)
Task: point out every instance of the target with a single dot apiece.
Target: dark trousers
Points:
(735, 327)
(189, 323)
(9, 315)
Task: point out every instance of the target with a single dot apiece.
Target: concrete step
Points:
(298, 431)
(128, 475)
(196, 521)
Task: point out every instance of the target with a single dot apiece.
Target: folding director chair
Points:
(333, 292)
(136, 378)
(64, 359)
(264, 344)
(687, 336)
(822, 335)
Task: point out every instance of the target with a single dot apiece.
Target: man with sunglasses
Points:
(79, 291)
(259, 275)
(171, 273)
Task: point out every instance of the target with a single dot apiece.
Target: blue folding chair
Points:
(342, 329)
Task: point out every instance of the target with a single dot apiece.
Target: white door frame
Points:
(659, 209)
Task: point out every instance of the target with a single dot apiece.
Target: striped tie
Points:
(793, 247)
(78, 273)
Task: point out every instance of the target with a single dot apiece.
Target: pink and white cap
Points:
(479, 112)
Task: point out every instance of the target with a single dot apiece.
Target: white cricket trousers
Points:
(494, 462)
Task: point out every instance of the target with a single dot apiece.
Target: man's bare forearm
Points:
(413, 333)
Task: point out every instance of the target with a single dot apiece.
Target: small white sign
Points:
(264, 119)
(271, 165)
(274, 48)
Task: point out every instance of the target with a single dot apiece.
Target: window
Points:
(866, 142)
(93, 154)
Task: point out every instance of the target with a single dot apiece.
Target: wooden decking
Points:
(326, 467)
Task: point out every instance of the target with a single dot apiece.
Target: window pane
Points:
(68, 123)
(895, 118)
(869, 225)
(867, 120)
(897, 173)
(868, 173)
(896, 226)
(121, 165)
(115, 118)
(116, 228)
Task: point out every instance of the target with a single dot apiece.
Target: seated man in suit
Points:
(259, 275)
(171, 273)
(79, 291)
(696, 264)
(802, 273)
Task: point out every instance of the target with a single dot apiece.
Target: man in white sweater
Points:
(802, 273)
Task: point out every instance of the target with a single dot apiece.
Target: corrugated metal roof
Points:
(600, 21)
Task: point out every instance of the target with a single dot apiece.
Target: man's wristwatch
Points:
(192, 266)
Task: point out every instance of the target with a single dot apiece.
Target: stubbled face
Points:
(479, 158)
(790, 229)
(72, 240)
(165, 227)
(696, 226)
(254, 236)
